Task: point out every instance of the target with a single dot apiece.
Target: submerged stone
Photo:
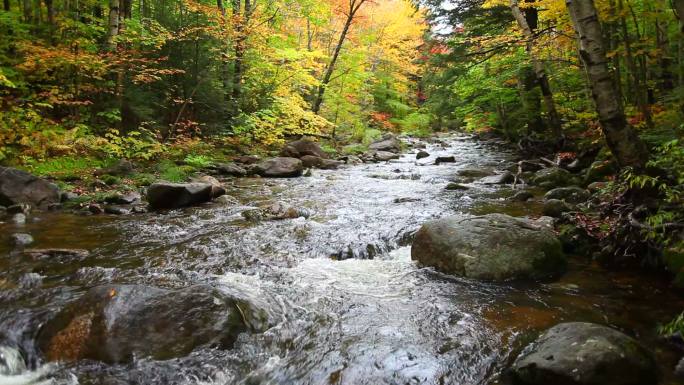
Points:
(579, 353)
(115, 323)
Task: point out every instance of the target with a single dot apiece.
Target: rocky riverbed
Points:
(309, 280)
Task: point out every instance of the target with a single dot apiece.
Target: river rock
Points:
(57, 255)
(552, 177)
(384, 156)
(20, 208)
(568, 194)
(596, 186)
(456, 186)
(68, 196)
(445, 159)
(599, 171)
(167, 195)
(579, 353)
(275, 211)
(21, 239)
(473, 173)
(303, 147)
(217, 188)
(352, 159)
(279, 168)
(406, 200)
(556, 208)
(679, 369)
(122, 168)
(124, 199)
(490, 247)
(118, 210)
(95, 209)
(310, 161)
(114, 323)
(506, 177)
(247, 159)
(230, 169)
(422, 154)
(19, 219)
(226, 200)
(388, 143)
(18, 186)
(521, 196)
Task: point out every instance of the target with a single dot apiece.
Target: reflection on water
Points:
(345, 303)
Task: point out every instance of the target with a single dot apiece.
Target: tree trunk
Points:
(6, 5)
(240, 48)
(665, 61)
(50, 11)
(623, 141)
(113, 25)
(540, 72)
(354, 6)
(221, 8)
(678, 6)
(28, 11)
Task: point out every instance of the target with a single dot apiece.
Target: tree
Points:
(540, 72)
(622, 139)
(113, 25)
(350, 12)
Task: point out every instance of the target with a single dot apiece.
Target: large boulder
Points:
(310, 161)
(230, 169)
(18, 186)
(568, 194)
(552, 177)
(503, 178)
(600, 171)
(217, 189)
(114, 323)
(167, 195)
(555, 208)
(388, 143)
(491, 247)
(302, 147)
(579, 353)
(473, 173)
(280, 167)
(121, 168)
(380, 156)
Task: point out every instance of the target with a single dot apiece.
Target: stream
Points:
(345, 303)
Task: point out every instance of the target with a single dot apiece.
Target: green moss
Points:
(143, 179)
(172, 172)
(110, 180)
(65, 168)
(198, 161)
(354, 149)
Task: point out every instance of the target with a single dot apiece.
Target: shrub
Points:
(197, 161)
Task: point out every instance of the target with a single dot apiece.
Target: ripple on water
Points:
(343, 301)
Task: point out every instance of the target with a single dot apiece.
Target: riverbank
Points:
(339, 298)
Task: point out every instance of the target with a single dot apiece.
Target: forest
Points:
(251, 148)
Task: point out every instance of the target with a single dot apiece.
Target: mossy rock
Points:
(493, 247)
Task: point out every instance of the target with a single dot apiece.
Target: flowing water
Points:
(346, 305)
